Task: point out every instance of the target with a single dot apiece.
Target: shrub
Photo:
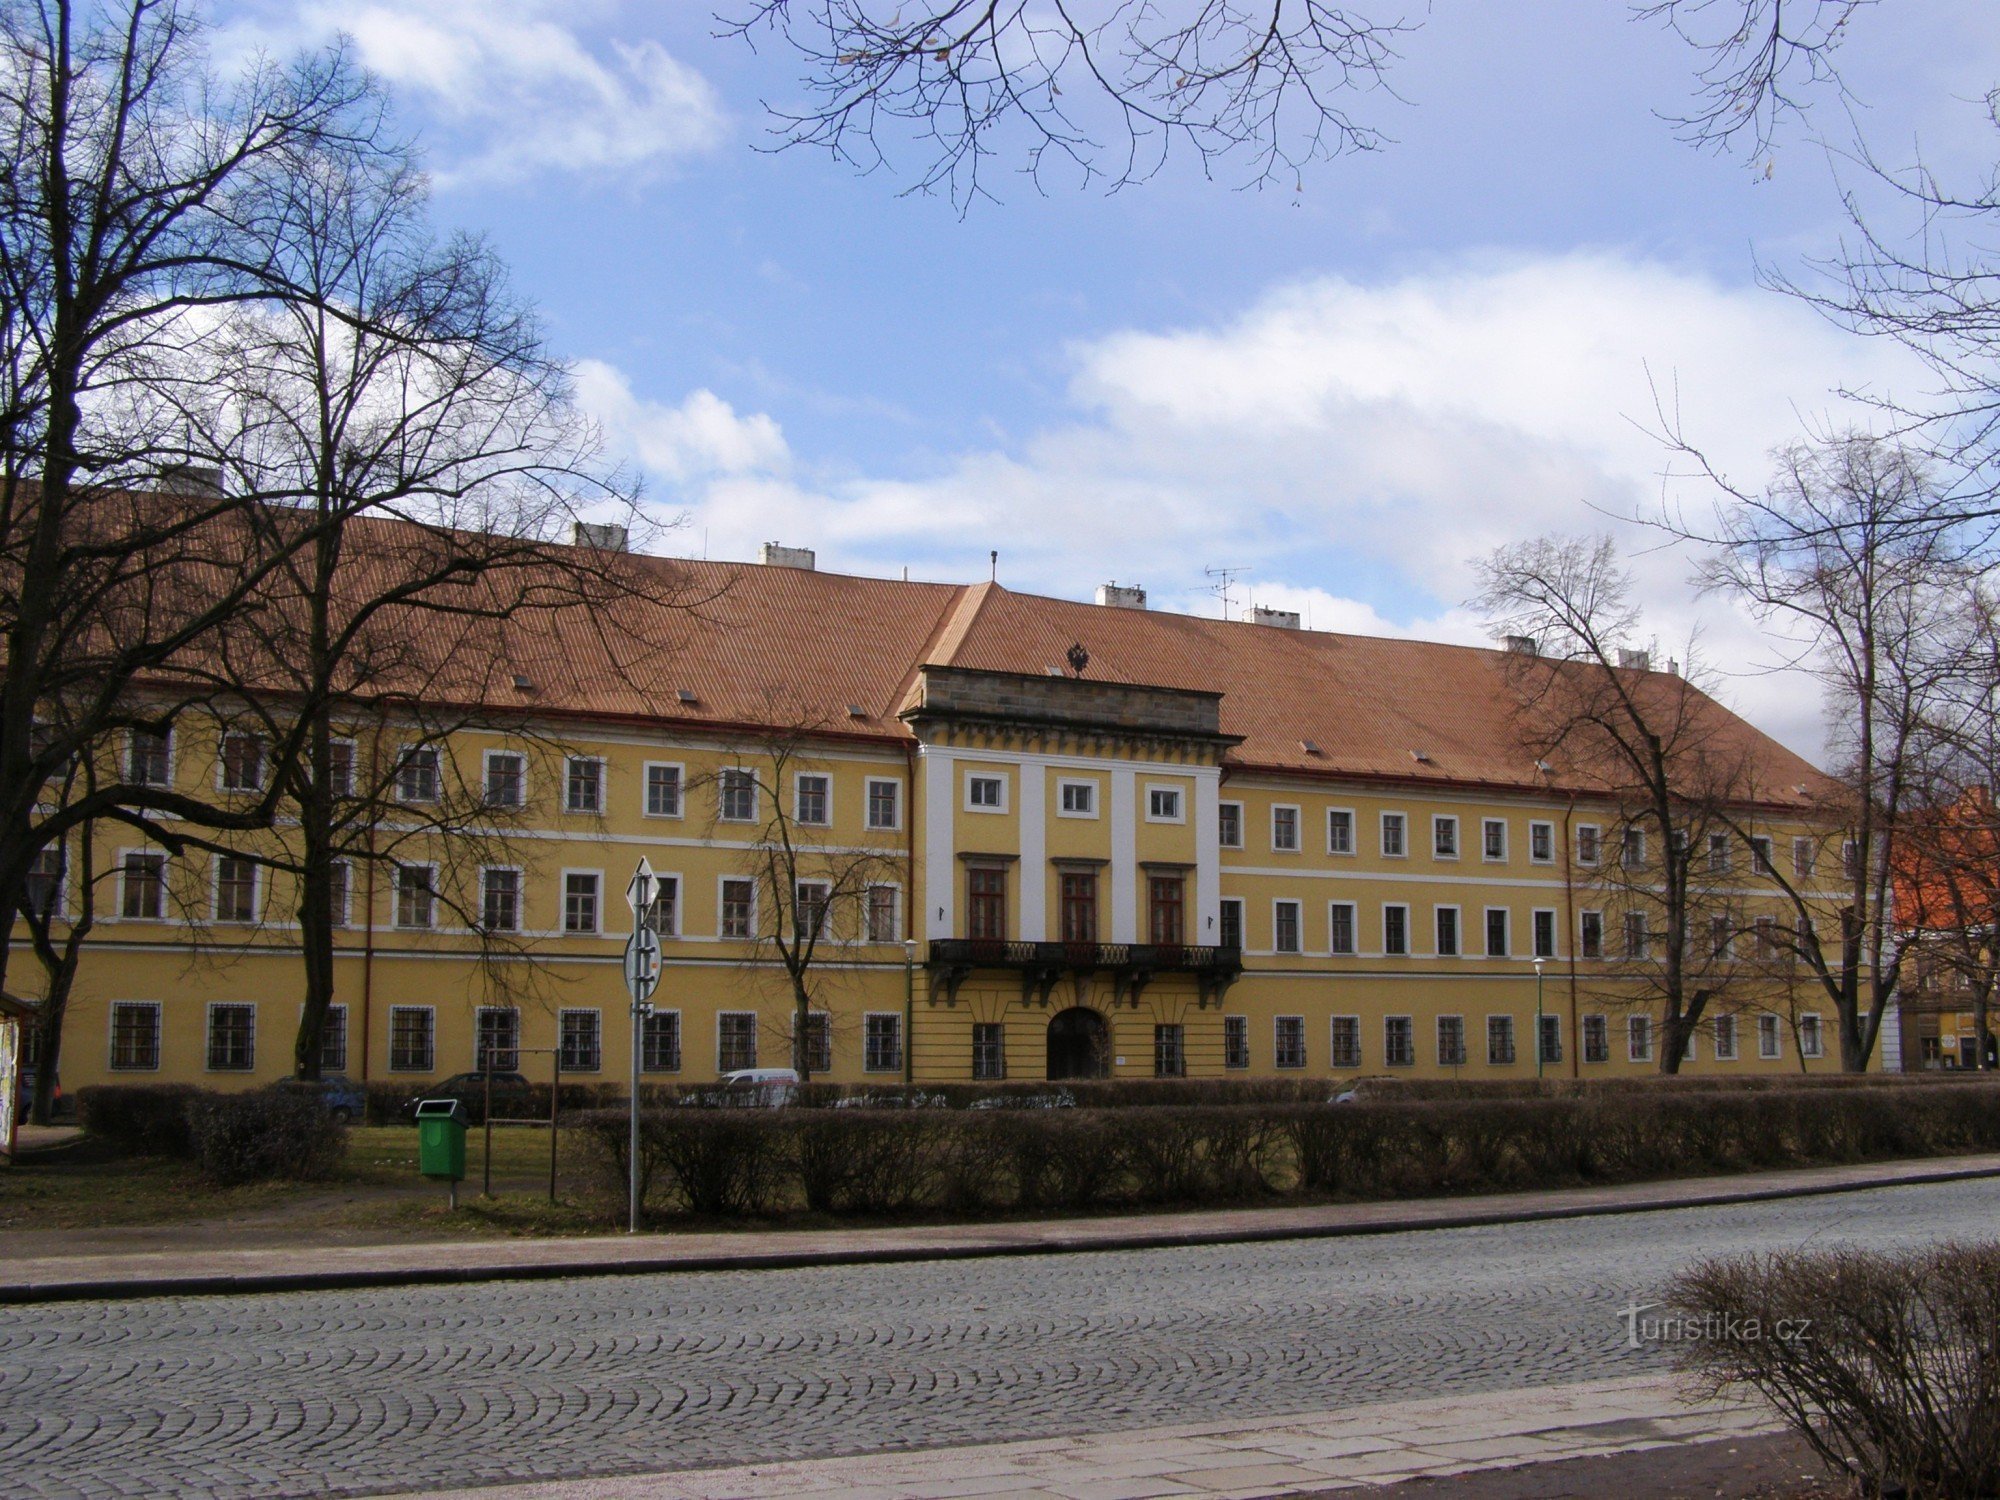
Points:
(265, 1134)
(868, 1162)
(719, 1161)
(141, 1119)
(1889, 1366)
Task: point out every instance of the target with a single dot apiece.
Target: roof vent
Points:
(1283, 619)
(1524, 645)
(1131, 596)
(1544, 767)
(1635, 661)
(856, 711)
(523, 683)
(776, 556)
(1311, 747)
(605, 536)
(1421, 757)
(191, 479)
(685, 696)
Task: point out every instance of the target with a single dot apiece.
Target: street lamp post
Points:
(642, 976)
(1540, 1050)
(909, 1008)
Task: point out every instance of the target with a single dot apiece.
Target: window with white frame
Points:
(1596, 1039)
(985, 792)
(500, 899)
(663, 789)
(149, 758)
(736, 795)
(885, 803)
(1590, 934)
(1285, 926)
(1340, 923)
(135, 1036)
(1499, 1041)
(1638, 935)
(412, 1038)
(1285, 829)
(1724, 1028)
(333, 1040)
(416, 896)
(1229, 825)
(417, 776)
(1396, 930)
(1289, 1041)
(1639, 1038)
(1230, 933)
(235, 888)
(1544, 919)
(1498, 944)
(46, 883)
(812, 900)
(1850, 858)
(1340, 830)
(1169, 1050)
(1444, 837)
(1235, 1042)
(496, 1039)
(1076, 799)
(738, 910)
(582, 1040)
(883, 911)
(1631, 848)
(1493, 839)
(881, 1042)
(1395, 835)
(1718, 854)
(1399, 1042)
(1343, 1043)
(340, 767)
(1812, 1042)
(735, 1040)
(1805, 854)
(660, 1042)
(1164, 804)
(1760, 856)
(582, 900)
(813, 799)
(241, 762)
(1721, 937)
(1551, 1038)
(232, 1037)
(989, 1050)
(583, 784)
(1770, 1040)
(664, 915)
(1586, 844)
(1447, 931)
(1766, 939)
(1451, 1041)
(1542, 843)
(506, 779)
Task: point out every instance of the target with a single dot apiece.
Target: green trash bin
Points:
(441, 1138)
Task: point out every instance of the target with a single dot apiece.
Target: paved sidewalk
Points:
(1360, 1448)
(302, 1267)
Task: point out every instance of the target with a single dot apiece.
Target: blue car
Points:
(343, 1098)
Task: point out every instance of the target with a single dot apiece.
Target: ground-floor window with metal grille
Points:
(1596, 1039)
(735, 1040)
(989, 1050)
(333, 1040)
(1170, 1052)
(412, 1038)
(582, 1041)
(819, 1041)
(232, 1038)
(1399, 1041)
(1552, 1039)
(1289, 1042)
(660, 1042)
(135, 1035)
(497, 1039)
(882, 1042)
(1236, 1041)
(1451, 1041)
(1345, 1044)
(1499, 1040)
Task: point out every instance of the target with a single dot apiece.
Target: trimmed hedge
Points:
(263, 1135)
(141, 1119)
(733, 1162)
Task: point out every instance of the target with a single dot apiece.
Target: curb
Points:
(224, 1284)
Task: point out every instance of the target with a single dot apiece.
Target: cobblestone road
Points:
(361, 1392)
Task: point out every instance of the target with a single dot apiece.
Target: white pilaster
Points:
(940, 866)
(1124, 856)
(1207, 857)
(1034, 852)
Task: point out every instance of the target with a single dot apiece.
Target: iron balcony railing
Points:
(1157, 958)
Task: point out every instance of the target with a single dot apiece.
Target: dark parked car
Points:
(344, 1099)
(24, 1096)
(511, 1094)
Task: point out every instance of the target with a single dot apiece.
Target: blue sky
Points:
(1349, 387)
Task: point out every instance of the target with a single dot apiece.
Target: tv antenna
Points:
(1221, 588)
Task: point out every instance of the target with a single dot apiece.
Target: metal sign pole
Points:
(642, 973)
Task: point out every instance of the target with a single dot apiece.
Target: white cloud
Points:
(512, 88)
(700, 439)
(1356, 448)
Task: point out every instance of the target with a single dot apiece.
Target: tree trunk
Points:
(801, 1030)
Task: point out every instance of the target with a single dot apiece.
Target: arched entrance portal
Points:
(1079, 1044)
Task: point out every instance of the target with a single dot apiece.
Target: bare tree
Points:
(1665, 762)
(812, 894)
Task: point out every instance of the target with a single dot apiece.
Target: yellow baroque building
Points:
(1039, 839)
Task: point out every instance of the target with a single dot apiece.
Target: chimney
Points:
(1635, 661)
(605, 536)
(775, 556)
(1283, 619)
(191, 479)
(1523, 645)
(1113, 597)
